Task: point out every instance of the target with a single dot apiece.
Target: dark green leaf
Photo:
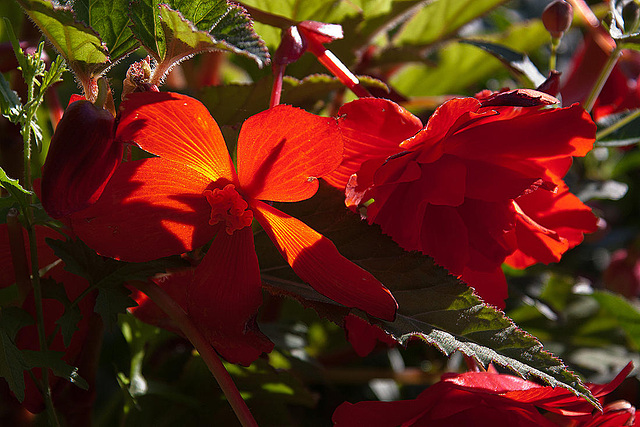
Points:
(12, 365)
(517, 62)
(234, 103)
(433, 306)
(15, 189)
(110, 19)
(12, 362)
(81, 47)
(619, 130)
(174, 31)
(53, 360)
(9, 101)
(112, 301)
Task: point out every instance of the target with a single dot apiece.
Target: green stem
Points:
(42, 338)
(602, 79)
(208, 354)
(555, 42)
(617, 125)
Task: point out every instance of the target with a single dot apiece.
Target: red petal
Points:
(150, 209)
(282, 152)
(225, 296)
(549, 225)
(178, 128)
(371, 128)
(315, 259)
(364, 336)
(82, 157)
(491, 286)
(517, 133)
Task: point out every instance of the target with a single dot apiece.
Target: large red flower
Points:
(490, 399)
(462, 188)
(191, 193)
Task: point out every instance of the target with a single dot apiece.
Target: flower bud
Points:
(82, 157)
(557, 17)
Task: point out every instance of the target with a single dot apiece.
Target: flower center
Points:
(228, 206)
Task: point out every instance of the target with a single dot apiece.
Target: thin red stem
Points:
(276, 91)
(208, 354)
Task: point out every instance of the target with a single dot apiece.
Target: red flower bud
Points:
(82, 157)
(557, 17)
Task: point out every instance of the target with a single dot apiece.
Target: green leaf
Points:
(624, 313)
(79, 45)
(12, 361)
(517, 62)
(434, 306)
(174, 31)
(69, 320)
(441, 19)
(110, 19)
(15, 189)
(110, 302)
(53, 360)
(460, 66)
(619, 130)
(231, 104)
(10, 105)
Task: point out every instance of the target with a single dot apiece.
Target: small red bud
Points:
(291, 48)
(557, 17)
(82, 157)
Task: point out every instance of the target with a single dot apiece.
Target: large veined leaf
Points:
(110, 19)
(173, 31)
(434, 306)
(80, 45)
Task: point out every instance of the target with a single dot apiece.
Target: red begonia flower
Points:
(82, 157)
(489, 399)
(448, 189)
(27, 337)
(191, 193)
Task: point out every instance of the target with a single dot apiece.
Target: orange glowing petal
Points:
(371, 128)
(315, 259)
(150, 209)
(225, 296)
(283, 150)
(178, 128)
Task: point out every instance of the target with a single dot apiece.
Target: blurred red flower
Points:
(482, 181)
(191, 193)
(491, 399)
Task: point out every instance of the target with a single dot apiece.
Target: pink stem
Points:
(276, 91)
(208, 354)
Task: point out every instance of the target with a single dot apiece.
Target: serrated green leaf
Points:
(441, 19)
(15, 189)
(178, 29)
(53, 360)
(110, 19)
(10, 104)
(81, 47)
(433, 306)
(12, 365)
(12, 361)
(110, 302)
(517, 62)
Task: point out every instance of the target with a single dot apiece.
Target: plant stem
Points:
(208, 354)
(617, 125)
(555, 42)
(18, 254)
(602, 79)
(276, 91)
